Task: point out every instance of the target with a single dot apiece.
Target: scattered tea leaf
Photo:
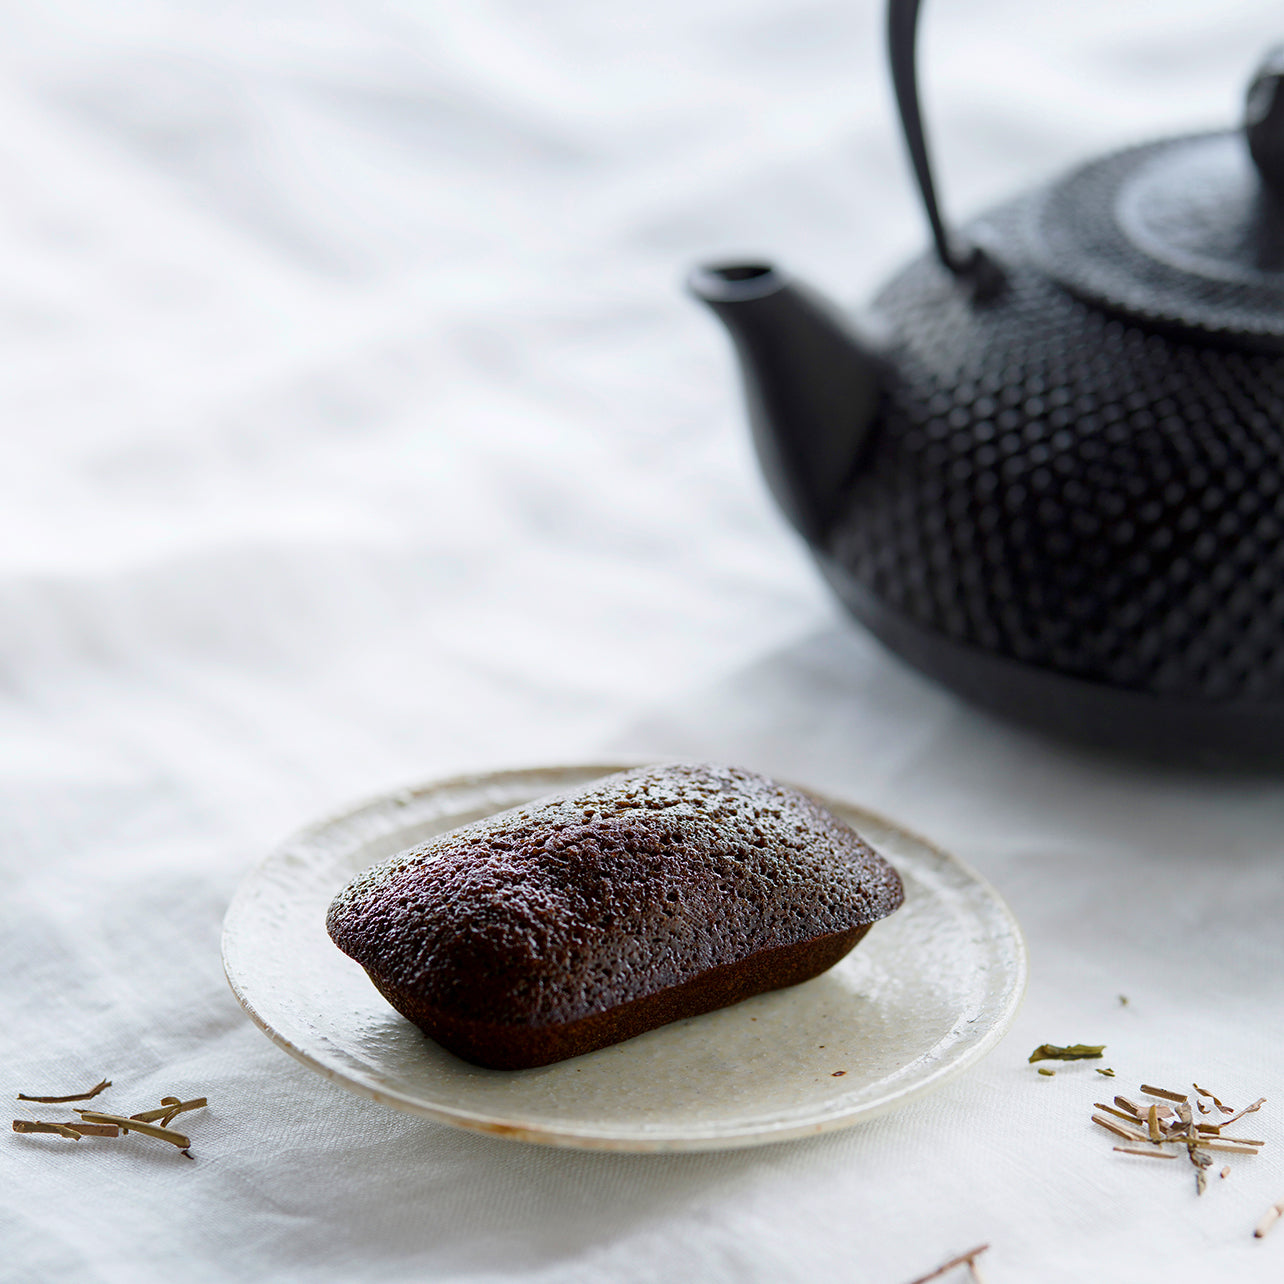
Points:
(169, 1107)
(1268, 1219)
(1128, 1134)
(93, 1123)
(136, 1125)
(1110, 1110)
(1074, 1052)
(1153, 1154)
(967, 1259)
(36, 1125)
(1170, 1126)
(1049, 1073)
(1203, 1092)
(1107, 1072)
(1248, 1110)
(80, 1127)
(96, 1130)
(75, 1096)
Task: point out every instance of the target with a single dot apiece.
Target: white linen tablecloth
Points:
(357, 431)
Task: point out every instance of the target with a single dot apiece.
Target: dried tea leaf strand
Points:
(1225, 1149)
(36, 1125)
(969, 1257)
(177, 1107)
(1248, 1110)
(1128, 1134)
(80, 1126)
(95, 1130)
(1152, 1123)
(1268, 1219)
(1201, 1162)
(169, 1107)
(135, 1125)
(168, 1117)
(1110, 1110)
(1203, 1092)
(75, 1096)
(1152, 1091)
(1153, 1154)
(1074, 1052)
(1107, 1073)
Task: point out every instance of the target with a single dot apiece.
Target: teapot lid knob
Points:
(1264, 121)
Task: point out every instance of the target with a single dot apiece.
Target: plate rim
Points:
(579, 1137)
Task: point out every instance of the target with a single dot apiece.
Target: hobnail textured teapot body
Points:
(1055, 486)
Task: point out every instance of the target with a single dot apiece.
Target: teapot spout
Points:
(812, 385)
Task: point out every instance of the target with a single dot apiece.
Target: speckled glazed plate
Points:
(929, 991)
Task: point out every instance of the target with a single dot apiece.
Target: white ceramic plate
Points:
(929, 991)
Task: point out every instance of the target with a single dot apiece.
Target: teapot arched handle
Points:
(1264, 121)
(969, 263)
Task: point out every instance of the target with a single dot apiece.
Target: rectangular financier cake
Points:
(587, 918)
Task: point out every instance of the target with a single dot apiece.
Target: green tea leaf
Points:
(1075, 1052)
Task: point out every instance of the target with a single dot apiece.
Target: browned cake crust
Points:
(586, 919)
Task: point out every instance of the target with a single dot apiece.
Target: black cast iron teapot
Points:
(1048, 467)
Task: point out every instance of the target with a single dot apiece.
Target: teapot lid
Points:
(1186, 233)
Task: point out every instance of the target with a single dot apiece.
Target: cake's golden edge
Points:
(522, 1047)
